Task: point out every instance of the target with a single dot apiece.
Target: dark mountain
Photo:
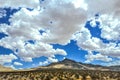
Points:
(71, 64)
(115, 68)
(66, 63)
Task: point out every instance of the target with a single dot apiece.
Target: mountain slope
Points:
(71, 64)
(2, 68)
(115, 68)
(66, 63)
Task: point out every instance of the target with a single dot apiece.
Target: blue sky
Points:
(39, 32)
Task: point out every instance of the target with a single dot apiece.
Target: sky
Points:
(39, 32)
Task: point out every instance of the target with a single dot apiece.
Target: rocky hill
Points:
(71, 64)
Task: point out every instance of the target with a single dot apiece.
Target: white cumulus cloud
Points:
(91, 57)
(28, 51)
(18, 64)
(19, 3)
(7, 58)
(49, 60)
(110, 27)
(99, 6)
(59, 26)
(105, 50)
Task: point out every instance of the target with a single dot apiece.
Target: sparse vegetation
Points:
(60, 74)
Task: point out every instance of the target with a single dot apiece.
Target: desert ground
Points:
(60, 74)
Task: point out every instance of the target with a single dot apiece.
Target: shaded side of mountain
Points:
(115, 68)
(71, 64)
(67, 63)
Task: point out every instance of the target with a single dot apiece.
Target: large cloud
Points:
(38, 50)
(7, 58)
(113, 63)
(105, 50)
(58, 25)
(91, 57)
(49, 60)
(19, 3)
(109, 7)
(65, 22)
(109, 17)
(18, 64)
(110, 27)
(27, 51)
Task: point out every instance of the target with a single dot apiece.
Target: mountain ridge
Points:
(71, 64)
(67, 64)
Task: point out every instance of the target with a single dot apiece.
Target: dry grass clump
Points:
(60, 74)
